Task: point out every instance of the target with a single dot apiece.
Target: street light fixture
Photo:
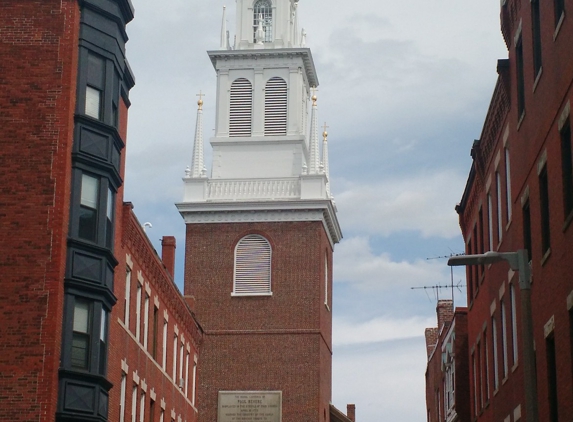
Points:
(518, 261)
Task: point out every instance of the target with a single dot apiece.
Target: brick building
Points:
(447, 371)
(68, 245)
(519, 195)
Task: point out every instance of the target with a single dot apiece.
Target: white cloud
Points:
(378, 329)
(357, 264)
(422, 203)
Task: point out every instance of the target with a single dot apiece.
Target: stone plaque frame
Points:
(250, 406)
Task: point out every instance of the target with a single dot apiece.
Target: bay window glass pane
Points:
(103, 328)
(109, 212)
(81, 316)
(93, 102)
(90, 187)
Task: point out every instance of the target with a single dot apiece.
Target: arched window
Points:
(252, 267)
(241, 111)
(264, 9)
(276, 107)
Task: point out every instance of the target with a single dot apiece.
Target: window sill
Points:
(537, 78)
(545, 256)
(503, 381)
(514, 367)
(508, 225)
(558, 26)
(327, 307)
(520, 120)
(251, 294)
(567, 221)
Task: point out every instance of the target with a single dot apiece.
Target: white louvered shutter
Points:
(241, 111)
(252, 266)
(276, 107)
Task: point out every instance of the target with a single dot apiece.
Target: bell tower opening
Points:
(263, 15)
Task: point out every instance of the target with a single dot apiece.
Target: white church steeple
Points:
(198, 166)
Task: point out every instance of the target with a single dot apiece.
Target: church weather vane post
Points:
(200, 95)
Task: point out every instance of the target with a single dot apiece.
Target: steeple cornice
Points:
(250, 55)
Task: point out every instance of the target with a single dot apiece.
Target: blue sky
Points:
(404, 88)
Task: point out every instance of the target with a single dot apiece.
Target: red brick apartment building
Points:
(519, 195)
(447, 371)
(69, 248)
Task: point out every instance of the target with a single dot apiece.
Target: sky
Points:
(404, 88)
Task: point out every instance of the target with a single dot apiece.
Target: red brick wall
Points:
(38, 47)
(123, 343)
(291, 348)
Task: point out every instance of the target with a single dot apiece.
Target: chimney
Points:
(351, 412)
(168, 253)
(445, 311)
(431, 340)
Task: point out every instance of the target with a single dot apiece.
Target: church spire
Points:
(224, 42)
(198, 167)
(325, 164)
(314, 148)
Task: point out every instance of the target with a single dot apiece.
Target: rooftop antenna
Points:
(436, 288)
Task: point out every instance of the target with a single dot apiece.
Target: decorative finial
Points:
(314, 98)
(200, 102)
(325, 133)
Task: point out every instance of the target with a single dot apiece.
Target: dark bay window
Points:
(81, 334)
(103, 343)
(95, 87)
(89, 208)
(109, 219)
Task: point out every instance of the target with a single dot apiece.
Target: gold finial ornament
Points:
(313, 98)
(325, 133)
(200, 102)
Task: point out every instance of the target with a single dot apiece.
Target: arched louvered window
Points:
(241, 111)
(252, 266)
(264, 9)
(276, 107)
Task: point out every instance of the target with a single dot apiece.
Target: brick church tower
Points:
(262, 228)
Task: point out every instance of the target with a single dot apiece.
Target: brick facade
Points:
(38, 73)
(281, 342)
(516, 198)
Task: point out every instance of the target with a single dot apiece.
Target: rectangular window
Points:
(499, 207)
(122, 391)
(81, 334)
(513, 323)
(138, 312)
(470, 269)
(109, 219)
(552, 378)
(495, 356)
(527, 228)
(88, 208)
(520, 80)
(504, 339)
(326, 279)
(151, 410)
(567, 169)
(186, 374)
(162, 416)
(486, 359)
(194, 389)
(146, 321)
(134, 404)
(559, 6)
(127, 296)
(181, 350)
(490, 220)
(475, 395)
(175, 358)
(481, 241)
(103, 342)
(536, 30)
(544, 204)
(480, 378)
(508, 201)
(142, 407)
(95, 86)
(155, 327)
(164, 357)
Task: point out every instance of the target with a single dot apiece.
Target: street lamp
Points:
(518, 261)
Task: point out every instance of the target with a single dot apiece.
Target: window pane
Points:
(90, 187)
(93, 102)
(81, 316)
(103, 326)
(88, 224)
(80, 350)
(96, 71)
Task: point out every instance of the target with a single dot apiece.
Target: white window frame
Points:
(187, 374)
(127, 296)
(146, 321)
(164, 356)
(490, 220)
(142, 407)
(123, 387)
(495, 355)
(252, 252)
(499, 208)
(504, 339)
(194, 385)
(134, 404)
(138, 312)
(513, 324)
(509, 205)
(175, 343)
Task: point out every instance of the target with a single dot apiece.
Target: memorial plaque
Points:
(249, 406)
